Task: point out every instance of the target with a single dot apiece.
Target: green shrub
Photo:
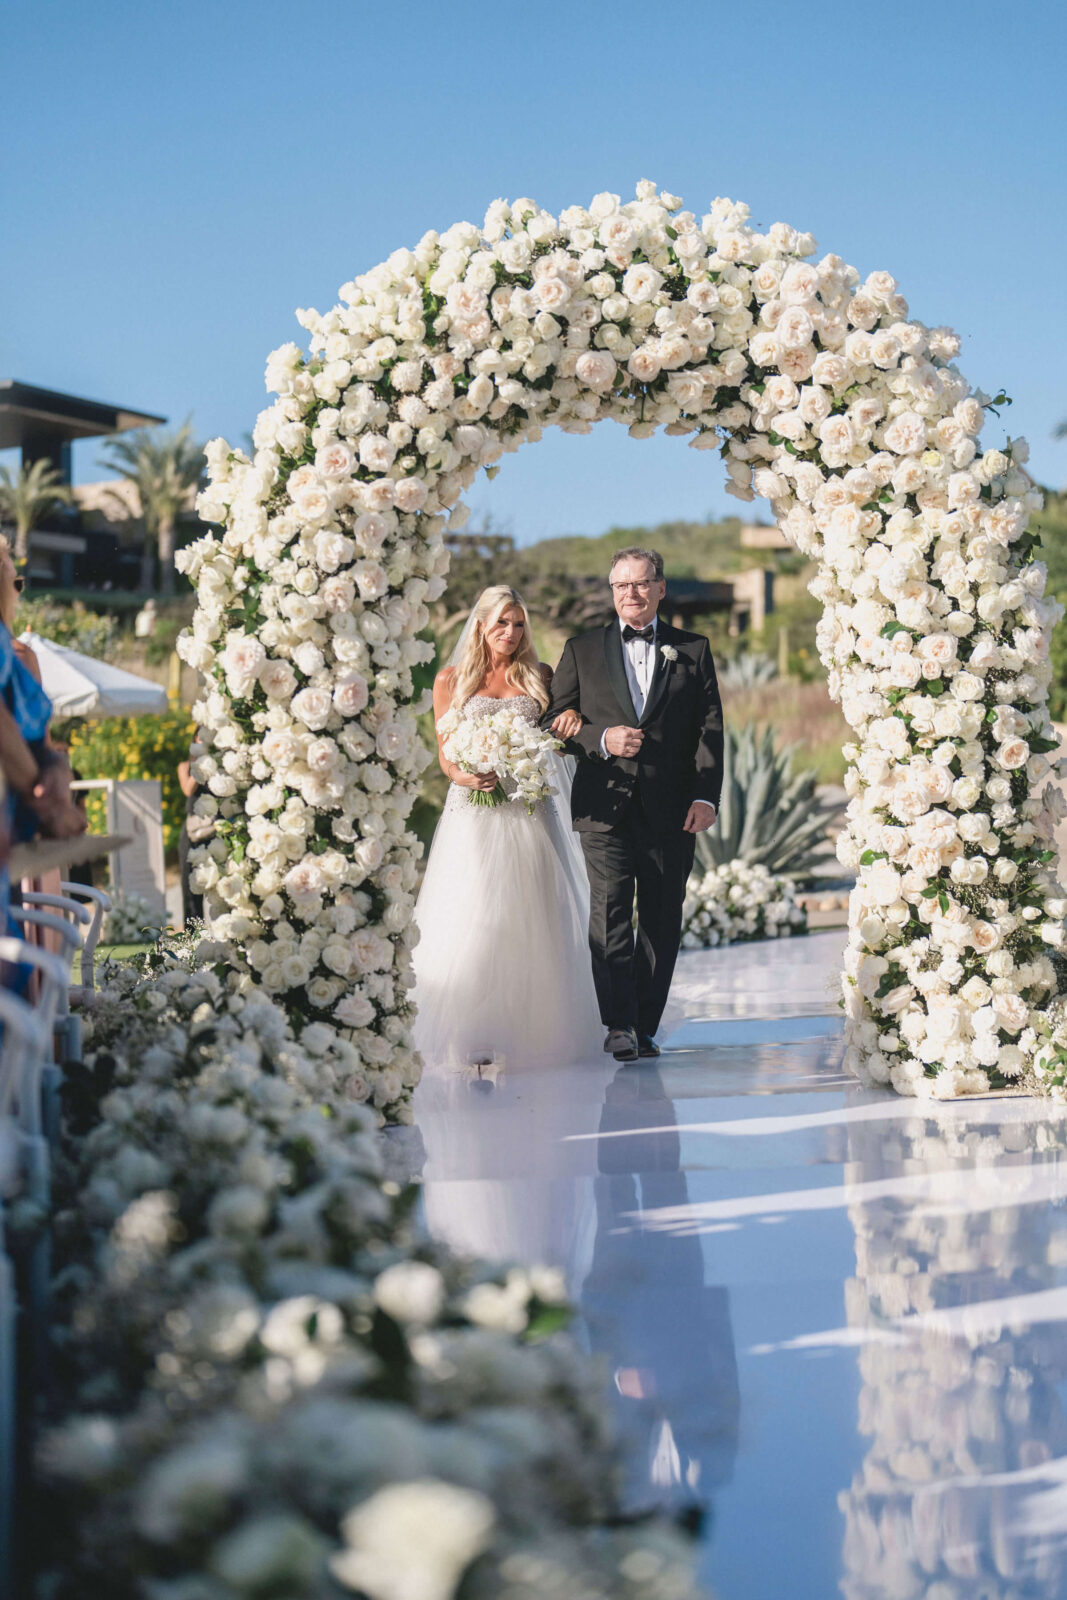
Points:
(94, 633)
(135, 747)
(769, 815)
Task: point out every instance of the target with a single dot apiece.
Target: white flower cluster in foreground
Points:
(267, 1385)
(736, 901)
(824, 399)
(501, 742)
(131, 920)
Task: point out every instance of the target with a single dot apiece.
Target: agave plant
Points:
(747, 670)
(769, 814)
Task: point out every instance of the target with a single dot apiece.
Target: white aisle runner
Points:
(830, 1301)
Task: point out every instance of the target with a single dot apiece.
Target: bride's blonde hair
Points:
(473, 665)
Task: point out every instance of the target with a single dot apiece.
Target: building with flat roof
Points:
(43, 425)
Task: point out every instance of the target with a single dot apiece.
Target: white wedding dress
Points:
(502, 971)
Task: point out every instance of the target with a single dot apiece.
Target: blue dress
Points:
(32, 711)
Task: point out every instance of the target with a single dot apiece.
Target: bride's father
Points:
(648, 778)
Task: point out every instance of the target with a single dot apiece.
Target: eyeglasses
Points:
(638, 588)
(20, 584)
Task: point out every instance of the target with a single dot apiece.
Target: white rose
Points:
(794, 329)
(312, 707)
(243, 656)
(1012, 1012)
(882, 884)
(410, 1291)
(354, 1011)
(1013, 753)
(800, 283)
(350, 694)
(376, 452)
(596, 369)
(334, 460)
(966, 792)
(645, 363)
(369, 853)
(311, 501)
(640, 282)
(371, 578)
(896, 1000)
(905, 671)
(371, 530)
(332, 550)
(409, 494)
(906, 434)
(392, 742)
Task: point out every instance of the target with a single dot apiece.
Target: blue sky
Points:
(183, 177)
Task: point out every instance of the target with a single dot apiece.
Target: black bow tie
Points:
(647, 634)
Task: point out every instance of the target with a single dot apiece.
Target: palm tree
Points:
(163, 467)
(26, 498)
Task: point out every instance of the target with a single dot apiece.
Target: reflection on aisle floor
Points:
(836, 1319)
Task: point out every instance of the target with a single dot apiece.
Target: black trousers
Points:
(632, 973)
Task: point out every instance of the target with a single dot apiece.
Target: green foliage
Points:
(747, 670)
(1051, 525)
(164, 468)
(27, 495)
(94, 633)
(1057, 695)
(769, 814)
(689, 550)
(135, 747)
(565, 580)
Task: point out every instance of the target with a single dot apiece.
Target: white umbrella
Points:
(78, 686)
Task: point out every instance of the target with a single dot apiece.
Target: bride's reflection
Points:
(556, 1168)
(664, 1334)
(960, 1304)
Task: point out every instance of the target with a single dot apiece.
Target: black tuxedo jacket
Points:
(681, 758)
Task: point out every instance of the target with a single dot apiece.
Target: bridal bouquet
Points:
(504, 743)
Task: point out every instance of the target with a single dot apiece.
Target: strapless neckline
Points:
(500, 700)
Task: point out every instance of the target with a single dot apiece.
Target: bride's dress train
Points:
(502, 972)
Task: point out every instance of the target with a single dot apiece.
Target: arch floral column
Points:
(824, 399)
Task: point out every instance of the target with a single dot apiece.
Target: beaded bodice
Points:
(484, 705)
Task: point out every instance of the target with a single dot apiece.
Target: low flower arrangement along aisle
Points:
(737, 901)
(265, 1385)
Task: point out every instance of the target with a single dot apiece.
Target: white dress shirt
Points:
(639, 659)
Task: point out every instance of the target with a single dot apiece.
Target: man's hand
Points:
(623, 741)
(700, 817)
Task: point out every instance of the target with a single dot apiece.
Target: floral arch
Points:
(823, 398)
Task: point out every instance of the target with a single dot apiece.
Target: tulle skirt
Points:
(502, 966)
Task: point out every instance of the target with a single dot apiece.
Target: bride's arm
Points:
(567, 723)
(566, 694)
(442, 699)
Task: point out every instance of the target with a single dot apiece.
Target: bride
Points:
(502, 970)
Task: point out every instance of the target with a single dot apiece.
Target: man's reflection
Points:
(664, 1334)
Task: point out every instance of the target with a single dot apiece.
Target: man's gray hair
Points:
(635, 552)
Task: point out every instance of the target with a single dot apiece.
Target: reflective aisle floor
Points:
(836, 1318)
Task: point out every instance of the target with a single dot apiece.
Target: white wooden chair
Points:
(68, 1027)
(25, 1045)
(101, 904)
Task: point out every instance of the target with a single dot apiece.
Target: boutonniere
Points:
(668, 652)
